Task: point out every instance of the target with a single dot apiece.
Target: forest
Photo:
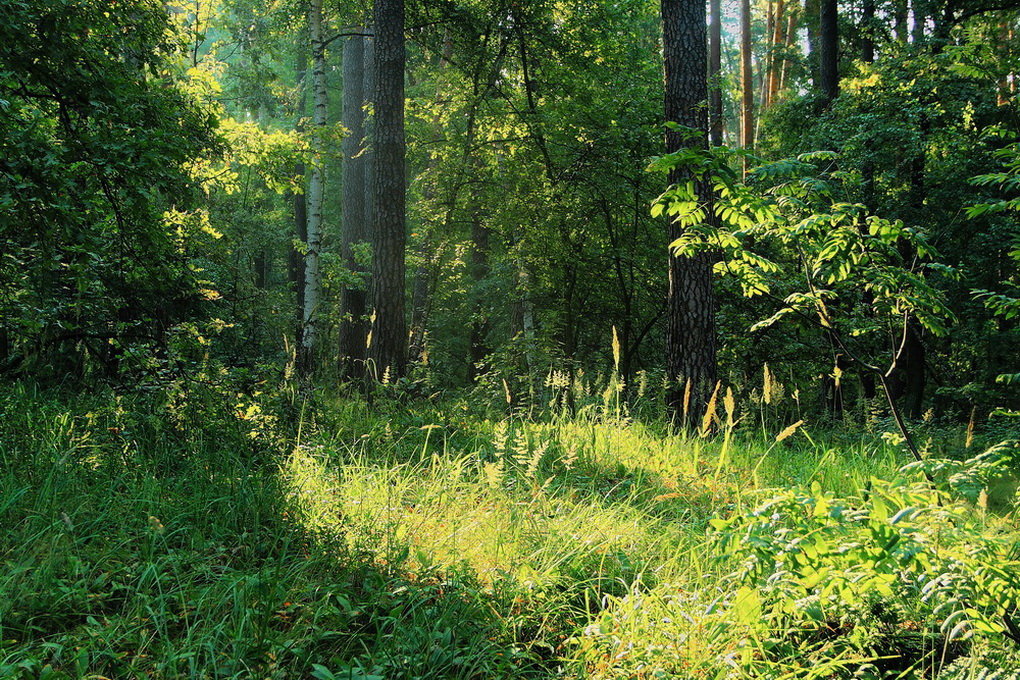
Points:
(481, 339)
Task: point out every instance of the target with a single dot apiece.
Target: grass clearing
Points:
(139, 542)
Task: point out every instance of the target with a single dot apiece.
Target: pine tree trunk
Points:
(778, 40)
(313, 280)
(868, 32)
(690, 333)
(746, 79)
(388, 349)
(715, 74)
(828, 19)
(353, 333)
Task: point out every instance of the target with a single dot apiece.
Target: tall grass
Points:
(211, 535)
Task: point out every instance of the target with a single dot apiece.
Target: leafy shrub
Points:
(893, 583)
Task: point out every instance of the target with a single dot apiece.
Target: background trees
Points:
(526, 235)
(100, 225)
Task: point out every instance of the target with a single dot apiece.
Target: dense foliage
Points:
(223, 456)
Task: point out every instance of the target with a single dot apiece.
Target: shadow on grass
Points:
(186, 561)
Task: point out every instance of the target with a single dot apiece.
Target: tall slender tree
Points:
(313, 243)
(296, 264)
(777, 40)
(353, 326)
(690, 333)
(828, 34)
(388, 349)
(868, 31)
(746, 78)
(715, 73)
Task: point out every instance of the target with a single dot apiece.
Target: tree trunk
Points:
(746, 79)
(690, 335)
(868, 32)
(313, 280)
(828, 70)
(790, 38)
(389, 329)
(715, 74)
(777, 36)
(296, 260)
(353, 333)
(479, 319)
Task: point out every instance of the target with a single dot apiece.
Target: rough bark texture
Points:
(690, 333)
(388, 349)
(828, 34)
(746, 78)
(313, 244)
(715, 74)
(353, 324)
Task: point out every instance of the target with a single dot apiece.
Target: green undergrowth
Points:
(201, 533)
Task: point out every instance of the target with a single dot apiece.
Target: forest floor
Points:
(204, 535)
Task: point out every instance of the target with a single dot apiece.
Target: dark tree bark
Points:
(715, 74)
(353, 333)
(868, 31)
(388, 349)
(746, 79)
(690, 333)
(828, 34)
